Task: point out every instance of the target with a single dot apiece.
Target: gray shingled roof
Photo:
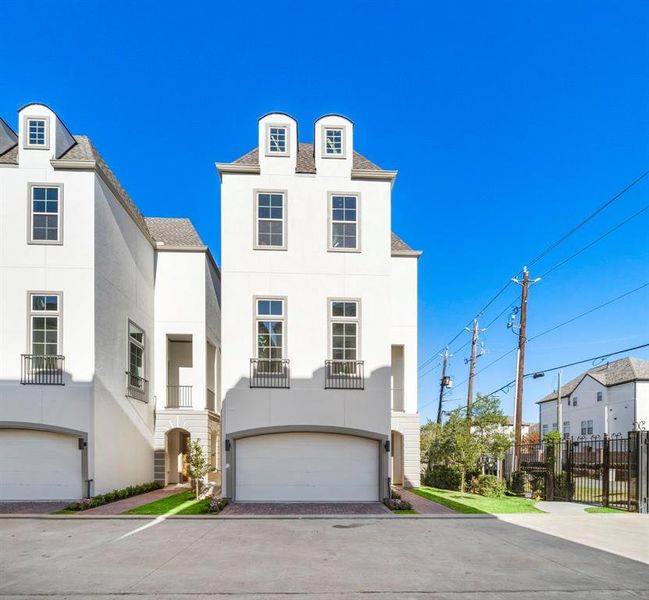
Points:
(620, 371)
(174, 232)
(10, 157)
(400, 247)
(306, 160)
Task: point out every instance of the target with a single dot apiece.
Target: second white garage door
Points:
(307, 467)
(38, 465)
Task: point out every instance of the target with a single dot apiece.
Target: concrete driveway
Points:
(447, 557)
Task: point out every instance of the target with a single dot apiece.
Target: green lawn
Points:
(474, 504)
(183, 503)
(409, 511)
(604, 509)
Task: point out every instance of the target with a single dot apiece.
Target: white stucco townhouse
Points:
(319, 331)
(608, 399)
(82, 314)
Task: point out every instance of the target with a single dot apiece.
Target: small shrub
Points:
(517, 483)
(488, 485)
(395, 495)
(218, 504)
(446, 478)
(114, 495)
(397, 504)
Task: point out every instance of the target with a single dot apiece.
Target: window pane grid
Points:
(36, 132)
(45, 324)
(334, 141)
(277, 140)
(270, 220)
(344, 221)
(45, 213)
(270, 329)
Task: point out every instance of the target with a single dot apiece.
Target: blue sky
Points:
(508, 122)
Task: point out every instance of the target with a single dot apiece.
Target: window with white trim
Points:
(566, 430)
(599, 396)
(45, 315)
(36, 132)
(544, 430)
(587, 427)
(45, 214)
(333, 141)
(270, 331)
(344, 222)
(343, 315)
(270, 211)
(574, 400)
(277, 139)
(136, 348)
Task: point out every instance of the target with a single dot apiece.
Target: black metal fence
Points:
(270, 373)
(179, 396)
(42, 369)
(610, 471)
(344, 375)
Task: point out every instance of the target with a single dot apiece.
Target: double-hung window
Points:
(277, 140)
(343, 222)
(270, 208)
(599, 396)
(566, 430)
(333, 142)
(45, 211)
(45, 324)
(344, 315)
(270, 333)
(36, 133)
(587, 427)
(136, 357)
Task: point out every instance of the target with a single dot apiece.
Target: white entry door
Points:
(39, 465)
(308, 467)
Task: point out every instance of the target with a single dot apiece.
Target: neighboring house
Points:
(319, 326)
(187, 347)
(609, 399)
(79, 312)
(510, 430)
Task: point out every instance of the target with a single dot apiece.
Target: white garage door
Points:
(38, 465)
(306, 467)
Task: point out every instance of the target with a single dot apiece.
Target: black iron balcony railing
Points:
(42, 369)
(179, 396)
(137, 387)
(211, 404)
(270, 373)
(344, 375)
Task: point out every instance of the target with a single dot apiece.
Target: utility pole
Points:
(474, 348)
(522, 339)
(442, 385)
(559, 460)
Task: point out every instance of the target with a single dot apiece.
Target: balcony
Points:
(179, 396)
(270, 373)
(42, 369)
(344, 375)
(137, 387)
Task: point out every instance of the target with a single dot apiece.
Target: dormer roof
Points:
(306, 160)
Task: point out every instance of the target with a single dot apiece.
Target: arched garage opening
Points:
(306, 466)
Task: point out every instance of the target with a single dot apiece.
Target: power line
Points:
(544, 253)
(538, 335)
(595, 241)
(572, 364)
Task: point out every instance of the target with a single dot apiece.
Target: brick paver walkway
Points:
(116, 508)
(422, 505)
(306, 508)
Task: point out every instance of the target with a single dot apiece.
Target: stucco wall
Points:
(124, 276)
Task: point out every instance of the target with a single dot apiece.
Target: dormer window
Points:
(37, 132)
(333, 142)
(277, 140)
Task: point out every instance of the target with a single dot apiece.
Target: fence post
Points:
(569, 486)
(606, 468)
(642, 466)
(550, 461)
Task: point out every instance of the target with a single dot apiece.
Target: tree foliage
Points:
(197, 464)
(462, 441)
